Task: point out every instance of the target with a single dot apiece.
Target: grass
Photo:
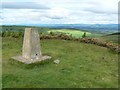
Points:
(81, 66)
(75, 33)
(111, 38)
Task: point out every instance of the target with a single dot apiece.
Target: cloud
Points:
(106, 6)
(23, 5)
(57, 13)
(60, 12)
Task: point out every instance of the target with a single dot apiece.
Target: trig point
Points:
(31, 51)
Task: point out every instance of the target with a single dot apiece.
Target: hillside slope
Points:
(81, 66)
(114, 37)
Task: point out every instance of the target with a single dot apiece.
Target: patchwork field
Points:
(81, 66)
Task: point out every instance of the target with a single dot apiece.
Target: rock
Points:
(56, 61)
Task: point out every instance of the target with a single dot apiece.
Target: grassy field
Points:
(111, 38)
(75, 33)
(81, 65)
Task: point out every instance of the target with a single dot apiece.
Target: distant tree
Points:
(84, 35)
(52, 33)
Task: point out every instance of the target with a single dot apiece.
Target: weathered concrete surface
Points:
(31, 44)
(31, 51)
(29, 61)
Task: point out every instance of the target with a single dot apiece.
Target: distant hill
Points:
(112, 37)
(117, 33)
(93, 28)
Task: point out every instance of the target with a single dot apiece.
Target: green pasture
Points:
(74, 33)
(81, 66)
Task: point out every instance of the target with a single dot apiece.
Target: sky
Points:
(59, 12)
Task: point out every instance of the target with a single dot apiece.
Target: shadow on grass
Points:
(16, 63)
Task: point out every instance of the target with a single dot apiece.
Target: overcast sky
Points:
(59, 12)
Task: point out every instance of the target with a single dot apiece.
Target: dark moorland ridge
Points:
(117, 33)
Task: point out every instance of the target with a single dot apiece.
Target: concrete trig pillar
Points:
(31, 51)
(31, 44)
